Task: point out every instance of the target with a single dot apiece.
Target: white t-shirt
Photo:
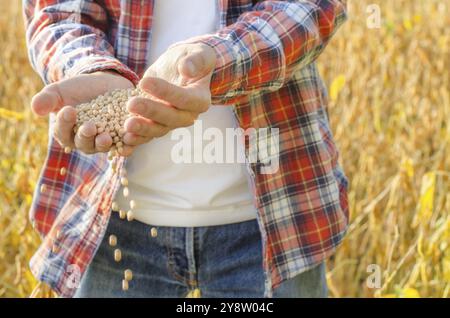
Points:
(187, 194)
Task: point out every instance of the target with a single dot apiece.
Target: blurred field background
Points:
(390, 112)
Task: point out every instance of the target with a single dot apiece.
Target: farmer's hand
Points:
(179, 83)
(60, 98)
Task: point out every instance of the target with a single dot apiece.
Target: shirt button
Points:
(153, 232)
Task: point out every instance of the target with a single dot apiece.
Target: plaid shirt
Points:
(265, 68)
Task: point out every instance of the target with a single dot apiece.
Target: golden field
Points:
(390, 112)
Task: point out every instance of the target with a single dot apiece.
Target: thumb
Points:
(197, 64)
(47, 100)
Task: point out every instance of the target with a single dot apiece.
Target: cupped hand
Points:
(61, 97)
(178, 88)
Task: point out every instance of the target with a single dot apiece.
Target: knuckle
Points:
(173, 123)
(159, 132)
(101, 148)
(152, 111)
(179, 97)
(145, 130)
(190, 120)
(88, 151)
(134, 140)
(161, 89)
(164, 131)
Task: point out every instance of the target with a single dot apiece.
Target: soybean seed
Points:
(128, 274)
(124, 285)
(117, 255)
(130, 216)
(115, 206)
(112, 240)
(124, 181)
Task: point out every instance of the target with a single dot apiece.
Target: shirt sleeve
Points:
(67, 37)
(266, 45)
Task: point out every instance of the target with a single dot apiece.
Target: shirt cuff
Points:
(98, 63)
(225, 84)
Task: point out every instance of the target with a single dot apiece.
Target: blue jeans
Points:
(222, 261)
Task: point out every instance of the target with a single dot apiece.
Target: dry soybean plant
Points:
(108, 112)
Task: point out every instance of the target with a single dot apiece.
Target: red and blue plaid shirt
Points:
(266, 68)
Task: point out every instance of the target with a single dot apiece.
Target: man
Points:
(222, 229)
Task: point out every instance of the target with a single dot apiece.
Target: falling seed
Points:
(122, 214)
(58, 235)
(43, 188)
(62, 171)
(126, 192)
(117, 255)
(124, 181)
(128, 274)
(114, 166)
(130, 216)
(67, 149)
(124, 285)
(132, 204)
(55, 249)
(154, 232)
(112, 240)
(115, 206)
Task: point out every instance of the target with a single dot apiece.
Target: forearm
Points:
(66, 38)
(268, 44)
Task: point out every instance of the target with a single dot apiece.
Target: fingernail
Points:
(139, 108)
(151, 86)
(147, 83)
(84, 131)
(136, 127)
(67, 117)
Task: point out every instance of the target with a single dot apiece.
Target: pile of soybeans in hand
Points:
(108, 112)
